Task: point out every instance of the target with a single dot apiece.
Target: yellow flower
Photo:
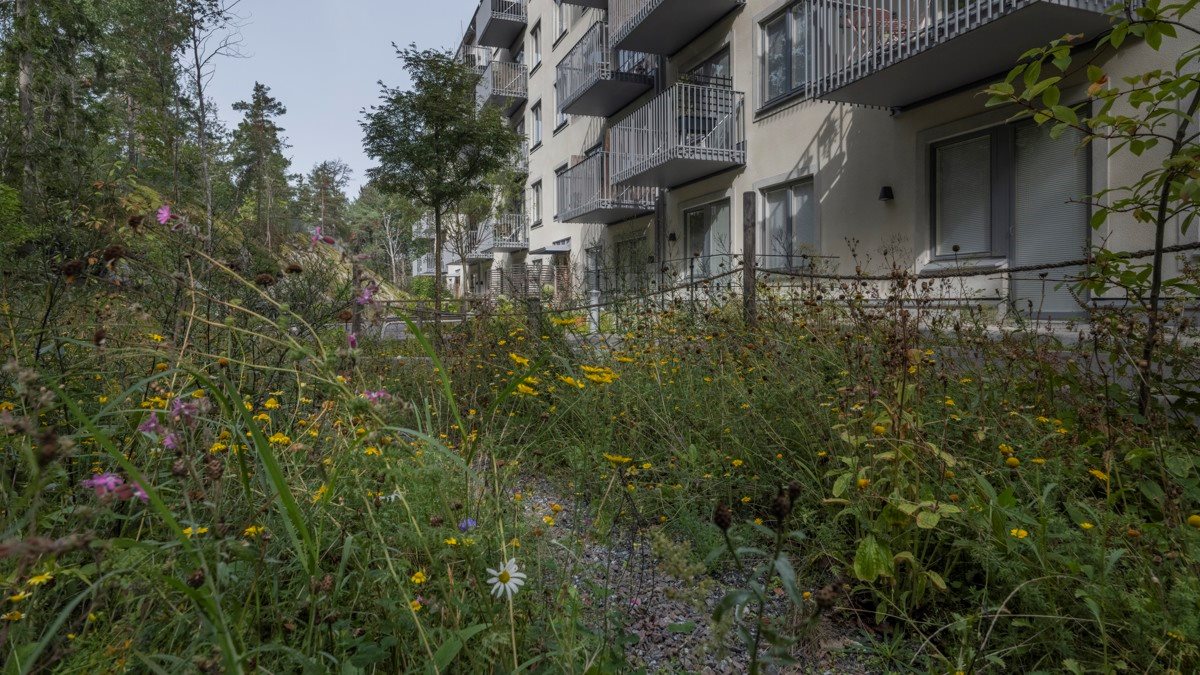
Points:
(254, 531)
(278, 438)
(949, 402)
(1038, 460)
(261, 417)
(189, 532)
(372, 451)
(746, 499)
(518, 497)
(271, 404)
(450, 541)
(1086, 525)
(557, 508)
(1018, 533)
(1194, 521)
(879, 429)
(415, 606)
(40, 579)
(617, 459)
(217, 446)
(736, 463)
(1006, 449)
(863, 483)
(155, 337)
(13, 616)
(1100, 475)
(102, 399)
(526, 390)
(419, 577)
(7, 406)
(571, 382)
(548, 520)
(518, 359)
(758, 521)
(1012, 462)
(18, 597)
(320, 493)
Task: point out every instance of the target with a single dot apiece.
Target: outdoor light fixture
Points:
(886, 194)
(671, 237)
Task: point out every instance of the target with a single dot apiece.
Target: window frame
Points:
(788, 14)
(536, 197)
(762, 235)
(536, 125)
(1002, 166)
(561, 119)
(535, 41)
(708, 208)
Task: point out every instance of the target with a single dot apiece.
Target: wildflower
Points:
(253, 531)
(164, 214)
(320, 493)
(617, 459)
(548, 520)
(217, 446)
(151, 426)
(1006, 449)
(351, 340)
(1194, 521)
(190, 532)
(102, 399)
(1100, 475)
(40, 579)
(7, 406)
(450, 541)
(518, 497)
(1018, 533)
(367, 296)
(518, 359)
(104, 483)
(372, 451)
(415, 606)
(863, 483)
(507, 580)
(526, 390)
(571, 382)
(14, 615)
(271, 403)
(646, 466)
(758, 521)
(279, 438)
(557, 508)
(736, 463)
(746, 499)
(418, 577)
(879, 429)
(155, 337)
(467, 525)
(949, 402)
(320, 237)
(1012, 462)
(377, 396)
(1085, 526)
(171, 441)
(18, 597)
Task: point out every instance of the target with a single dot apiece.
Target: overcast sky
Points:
(323, 60)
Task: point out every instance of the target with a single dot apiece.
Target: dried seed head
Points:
(781, 508)
(100, 337)
(294, 268)
(793, 491)
(265, 280)
(722, 516)
(196, 578)
(826, 597)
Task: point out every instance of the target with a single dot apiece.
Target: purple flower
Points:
(150, 426)
(140, 493)
(171, 441)
(320, 237)
(467, 525)
(377, 396)
(184, 411)
(352, 340)
(164, 214)
(368, 294)
(104, 483)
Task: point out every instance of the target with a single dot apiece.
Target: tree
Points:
(258, 155)
(326, 193)
(386, 223)
(1154, 112)
(434, 145)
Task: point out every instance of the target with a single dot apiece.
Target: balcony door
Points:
(709, 242)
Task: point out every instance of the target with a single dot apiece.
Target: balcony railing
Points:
(521, 160)
(594, 4)
(594, 79)
(499, 22)
(423, 266)
(475, 57)
(531, 281)
(509, 232)
(664, 26)
(893, 53)
(687, 132)
(504, 85)
(481, 245)
(586, 194)
(423, 228)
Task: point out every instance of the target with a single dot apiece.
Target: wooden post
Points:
(749, 259)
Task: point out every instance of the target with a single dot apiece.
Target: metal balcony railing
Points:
(690, 130)
(475, 57)
(481, 245)
(663, 26)
(855, 39)
(530, 281)
(423, 266)
(509, 232)
(503, 84)
(499, 22)
(586, 194)
(521, 160)
(591, 62)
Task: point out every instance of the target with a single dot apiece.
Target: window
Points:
(535, 45)
(1013, 191)
(564, 15)
(535, 123)
(560, 117)
(789, 229)
(707, 232)
(785, 52)
(535, 203)
(631, 261)
(715, 70)
(592, 257)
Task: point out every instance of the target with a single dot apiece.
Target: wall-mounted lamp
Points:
(886, 194)
(671, 237)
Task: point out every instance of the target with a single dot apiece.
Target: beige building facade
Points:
(851, 135)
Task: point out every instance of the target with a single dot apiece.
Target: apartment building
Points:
(847, 133)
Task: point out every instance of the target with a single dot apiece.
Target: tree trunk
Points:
(437, 277)
(23, 26)
(202, 133)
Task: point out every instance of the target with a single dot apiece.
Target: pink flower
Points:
(368, 294)
(352, 340)
(377, 396)
(140, 493)
(151, 426)
(320, 237)
(104, 483)
(171, 441)
(164, 214)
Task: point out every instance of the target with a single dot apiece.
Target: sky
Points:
(323, 60)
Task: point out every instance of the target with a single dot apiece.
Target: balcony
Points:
(595, 80)
(475, 57)
(586, 194)
(594, 4)
(509, 232)
(664, 26)
(687, 132)
(504, 85)
(481, 245)
(521, 160)
(423, 228)
(423, 266)
(894, 53)
(498, 23)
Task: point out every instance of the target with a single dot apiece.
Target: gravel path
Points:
(669, 618)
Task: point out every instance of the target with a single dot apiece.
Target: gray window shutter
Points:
(774, 245)
(964, 200)
(804, 226)
(1049, 223)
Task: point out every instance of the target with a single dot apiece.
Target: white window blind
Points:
(963, 194)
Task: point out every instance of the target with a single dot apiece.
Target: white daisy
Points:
(506, 580)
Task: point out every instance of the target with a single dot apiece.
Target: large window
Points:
(560, 117)
(708, 241)
(535, 44)
(535, 124)
(785, 52)
(1014, 192)
(716, 70)
(789, 230)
